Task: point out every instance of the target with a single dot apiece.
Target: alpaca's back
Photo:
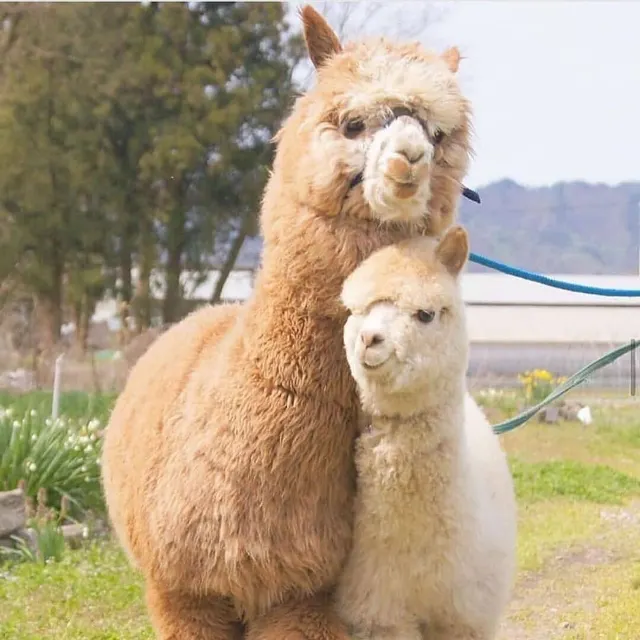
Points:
(489, 458)
(491, 486)
(133, 455)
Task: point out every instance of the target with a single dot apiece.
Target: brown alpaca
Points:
(228, 460)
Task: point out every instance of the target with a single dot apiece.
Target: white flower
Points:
(32, 467)
(83, 468)
(34, 437)
(33, 413)
(94, 424)
(16, 424)
(85, 532)
(88, 449)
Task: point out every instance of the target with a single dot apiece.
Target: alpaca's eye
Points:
(425, 316)
(438, 136)
(353, 128)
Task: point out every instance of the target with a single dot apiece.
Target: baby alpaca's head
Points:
(406, 338)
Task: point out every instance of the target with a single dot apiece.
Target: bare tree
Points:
(350, 20)
(402, 20)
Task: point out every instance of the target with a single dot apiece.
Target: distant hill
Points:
(570, 227)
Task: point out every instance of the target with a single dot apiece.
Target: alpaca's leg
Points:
(455, 632)
(409, 632)
(312, 619)
(180, 617)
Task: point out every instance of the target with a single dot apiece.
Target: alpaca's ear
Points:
(453, 249)
(321, 40)
(452, 58)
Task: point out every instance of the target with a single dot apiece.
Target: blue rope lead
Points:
(552, 282)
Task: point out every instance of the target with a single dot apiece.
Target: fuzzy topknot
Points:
(354, 166)
(406, 273)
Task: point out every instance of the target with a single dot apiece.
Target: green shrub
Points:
(49, 542)
(60, 456)
(570, 479)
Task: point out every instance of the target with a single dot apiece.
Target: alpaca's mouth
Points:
(470, 194)
(372, 367)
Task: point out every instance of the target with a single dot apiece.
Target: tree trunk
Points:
(143, 291)
(51, 302)
(126, 264)
(77, 320)
(232, 256)
(171, 308)
(49, 322)
(86, 311)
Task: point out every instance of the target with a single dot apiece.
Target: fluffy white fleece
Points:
(435, 530)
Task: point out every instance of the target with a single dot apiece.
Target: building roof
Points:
(501, 289)
(488, 288)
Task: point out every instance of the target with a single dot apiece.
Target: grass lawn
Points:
(579, 529)
(579, 549)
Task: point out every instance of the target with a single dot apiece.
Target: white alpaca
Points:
(434, 542)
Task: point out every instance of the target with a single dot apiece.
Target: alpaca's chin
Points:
(401, 215)
(389, 208)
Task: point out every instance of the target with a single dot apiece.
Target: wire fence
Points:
(491, 365)
(499, 365)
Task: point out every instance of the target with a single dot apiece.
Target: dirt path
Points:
(568, 597)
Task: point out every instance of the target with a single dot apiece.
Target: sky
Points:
(555, 85)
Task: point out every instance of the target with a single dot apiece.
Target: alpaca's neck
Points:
(410, 469)
(426, 420)
(294, 319)
(307, 255)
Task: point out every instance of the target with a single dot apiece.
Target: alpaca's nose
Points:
(413, 155)
(370, 338)
(411, 144)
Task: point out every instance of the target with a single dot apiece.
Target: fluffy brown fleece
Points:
(228, 459)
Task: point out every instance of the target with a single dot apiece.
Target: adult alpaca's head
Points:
(383, 135)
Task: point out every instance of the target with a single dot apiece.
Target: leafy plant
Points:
(49, 543)
(60, 456)
(571, 479)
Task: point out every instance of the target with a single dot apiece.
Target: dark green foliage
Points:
(132, 136)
